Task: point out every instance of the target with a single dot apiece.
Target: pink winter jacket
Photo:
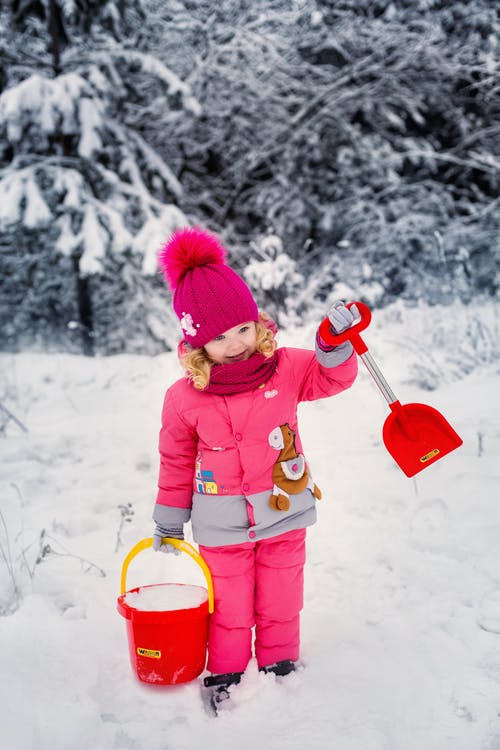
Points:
(218, 452)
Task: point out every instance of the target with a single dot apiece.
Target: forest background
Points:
(338, 148)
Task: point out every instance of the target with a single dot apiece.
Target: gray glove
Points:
(176, 532)
(342, 318)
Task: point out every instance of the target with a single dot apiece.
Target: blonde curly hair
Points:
(197, 363)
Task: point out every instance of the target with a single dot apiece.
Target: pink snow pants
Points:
(256, 583)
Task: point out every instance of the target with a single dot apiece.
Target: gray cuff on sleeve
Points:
(168, 516)
(336, 356)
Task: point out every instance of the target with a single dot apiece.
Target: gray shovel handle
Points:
(379, 379)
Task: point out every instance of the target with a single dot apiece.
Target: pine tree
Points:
(85, 201)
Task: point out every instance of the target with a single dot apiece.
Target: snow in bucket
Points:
(163, 598)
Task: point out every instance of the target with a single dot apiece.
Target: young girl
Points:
(231, 456)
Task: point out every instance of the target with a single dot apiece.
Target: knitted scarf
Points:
(241, 376)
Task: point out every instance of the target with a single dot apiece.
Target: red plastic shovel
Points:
(415, 435)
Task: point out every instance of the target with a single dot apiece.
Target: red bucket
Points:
(167, 646)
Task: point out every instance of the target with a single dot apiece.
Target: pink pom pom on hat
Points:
(208, 296)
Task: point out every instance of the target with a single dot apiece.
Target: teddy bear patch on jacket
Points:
(290, 473)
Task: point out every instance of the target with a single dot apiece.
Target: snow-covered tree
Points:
(362, 135)
(85, 201)
(358, 130)
(273, 277)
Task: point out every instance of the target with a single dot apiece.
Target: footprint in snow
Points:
(488, 617)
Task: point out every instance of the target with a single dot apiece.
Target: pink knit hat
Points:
(208, 296)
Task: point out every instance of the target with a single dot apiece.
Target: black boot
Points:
(218, 688)
(280, 668)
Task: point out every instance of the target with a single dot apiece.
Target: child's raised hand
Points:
(342, 318)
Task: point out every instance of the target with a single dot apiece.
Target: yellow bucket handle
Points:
(179, 544)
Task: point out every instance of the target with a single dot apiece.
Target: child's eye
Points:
(219, 338)
(244, 329)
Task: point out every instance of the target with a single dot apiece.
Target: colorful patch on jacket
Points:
(290, 472)
(204, 481)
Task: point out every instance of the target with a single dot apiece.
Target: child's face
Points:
(234, 345)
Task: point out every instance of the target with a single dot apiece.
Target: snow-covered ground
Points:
(401, 625)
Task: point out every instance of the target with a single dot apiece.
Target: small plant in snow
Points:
(11, 603)
(126, 513)
(480, 448)
(49, 547)
(7, 416)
